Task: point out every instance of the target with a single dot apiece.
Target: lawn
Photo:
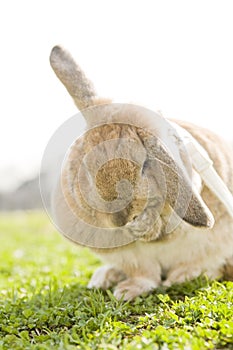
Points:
(45, 304)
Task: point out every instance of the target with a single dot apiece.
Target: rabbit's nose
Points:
(120, 218)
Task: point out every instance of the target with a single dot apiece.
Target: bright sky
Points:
(175, 56)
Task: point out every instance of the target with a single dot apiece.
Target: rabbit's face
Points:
(116, 176)
(109, 174)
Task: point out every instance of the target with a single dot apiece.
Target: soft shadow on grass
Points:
(73, 317)
(44, 302)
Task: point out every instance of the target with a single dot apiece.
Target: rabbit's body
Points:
(157, 256)
(186, 253)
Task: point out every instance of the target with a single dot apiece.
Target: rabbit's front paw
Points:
(105, 277)
(133, 287)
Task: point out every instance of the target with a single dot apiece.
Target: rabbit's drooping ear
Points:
(181, 196)
(70, 74)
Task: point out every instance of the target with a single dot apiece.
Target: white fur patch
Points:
(133, 287)
(105, 277)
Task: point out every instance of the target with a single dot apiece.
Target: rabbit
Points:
(200, 239)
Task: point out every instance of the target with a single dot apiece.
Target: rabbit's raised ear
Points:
(70, 74)
(180, 194)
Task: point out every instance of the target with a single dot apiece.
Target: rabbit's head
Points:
(129, 169)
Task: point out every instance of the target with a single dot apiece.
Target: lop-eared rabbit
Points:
(145, 209)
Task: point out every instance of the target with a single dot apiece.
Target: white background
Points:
(175, 56)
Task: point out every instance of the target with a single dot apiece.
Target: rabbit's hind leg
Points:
(228, 270)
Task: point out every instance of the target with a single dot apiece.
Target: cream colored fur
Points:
(154, 259)
(192, 251)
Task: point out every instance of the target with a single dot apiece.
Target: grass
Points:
(44, 303)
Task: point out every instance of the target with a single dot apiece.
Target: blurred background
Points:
(172, 56)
